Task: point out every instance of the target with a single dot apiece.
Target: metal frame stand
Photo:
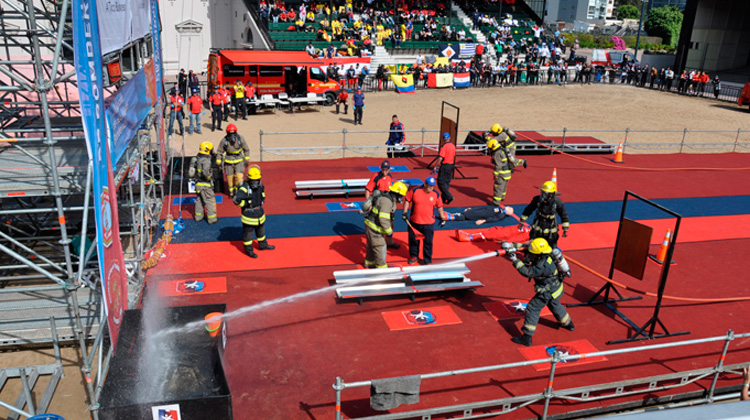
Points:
(648, 330)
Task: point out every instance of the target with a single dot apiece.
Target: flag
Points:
(461, 80)
(404, 82)
(467, 49)
(440, 80)
(447, 50)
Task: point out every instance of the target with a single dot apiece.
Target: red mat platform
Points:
(282, 359)
(567, 348)
(409, 319)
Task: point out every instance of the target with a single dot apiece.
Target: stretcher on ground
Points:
(339, 187)
(409, 281)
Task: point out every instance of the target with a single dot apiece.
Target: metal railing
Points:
(588, 393)
(372, 142)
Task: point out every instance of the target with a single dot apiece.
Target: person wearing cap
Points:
(217, 103)
(381, 182)
(379, 224)
(359, 106)
(176, 103)
(446, 161)
(422, 202)
(195, 106)
(226, 96)
(396, 138)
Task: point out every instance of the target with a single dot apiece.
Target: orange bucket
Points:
(213, 323)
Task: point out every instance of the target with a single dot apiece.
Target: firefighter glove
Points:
(404, 216)
(565, 233)
(520, 227)
(512, 256)
(442, 222)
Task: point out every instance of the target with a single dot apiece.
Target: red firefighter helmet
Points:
(231, 128)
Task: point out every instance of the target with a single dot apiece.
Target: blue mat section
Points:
(393, 169)
(352, 223)
(413, 182)
(345, 206)
(191, 200)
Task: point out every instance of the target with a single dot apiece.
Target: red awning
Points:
(246, 57)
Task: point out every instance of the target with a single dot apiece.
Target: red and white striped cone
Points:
(661, 255)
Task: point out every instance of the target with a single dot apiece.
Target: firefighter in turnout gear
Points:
(237, 155)
(501, 145)
(539, 265)
(379, 224)
(250, 197)
(201, 171)
(547, 206)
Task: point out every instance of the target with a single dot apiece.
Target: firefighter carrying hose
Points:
(539, 265)
(250, 197)
(237, 155)
(201, 171)
(379, 224)
(501, 144)
(547, 206)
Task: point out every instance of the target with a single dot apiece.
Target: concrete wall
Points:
(720, 38)
(192, 27)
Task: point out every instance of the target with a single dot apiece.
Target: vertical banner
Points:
(89, 75)
(159, 75)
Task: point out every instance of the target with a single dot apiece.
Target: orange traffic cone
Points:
(618, 155)
(661, 255)
(213, 323)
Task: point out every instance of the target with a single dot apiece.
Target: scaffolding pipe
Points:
(31, 251)
(42, 210)
(27, 391)
(84, 228)
(32, 265)
(42, 90)
(14, 409)
(58, 43)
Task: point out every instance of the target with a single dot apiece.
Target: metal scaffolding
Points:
(48, 263)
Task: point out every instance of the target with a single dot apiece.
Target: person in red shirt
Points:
(423, 202)
(175, 111)
(217, 103)
(343, 98)
(380, 181)
(195, 106)
(226, 96)
(446, 161)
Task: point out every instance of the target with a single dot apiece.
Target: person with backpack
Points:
(201, 171)
(379, 184)
(379, 224)
(237, 155)
(547, 206)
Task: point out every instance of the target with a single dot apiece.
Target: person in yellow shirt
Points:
(239, 97)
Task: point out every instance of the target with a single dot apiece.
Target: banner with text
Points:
(122, 22)
(90, 91)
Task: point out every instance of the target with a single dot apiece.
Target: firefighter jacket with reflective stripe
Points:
(251, 201)
(380, 218)
(546, 214)
(203, 173)
(235, 147)
(504, 158)
(544, 273)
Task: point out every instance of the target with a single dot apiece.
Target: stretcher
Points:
(339, 187)
(363, 284)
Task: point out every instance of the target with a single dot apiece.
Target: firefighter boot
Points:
(569, 326)
(249, 251)
(264, 245)
(523, 340)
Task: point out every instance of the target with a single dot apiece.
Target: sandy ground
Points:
(574, 107)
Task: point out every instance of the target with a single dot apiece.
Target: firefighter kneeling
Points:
(540, 266)
(379, 224)
(201, 171)
(250, 197)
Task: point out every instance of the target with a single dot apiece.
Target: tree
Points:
(636, 3)
(665, 22)
(628, 12)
